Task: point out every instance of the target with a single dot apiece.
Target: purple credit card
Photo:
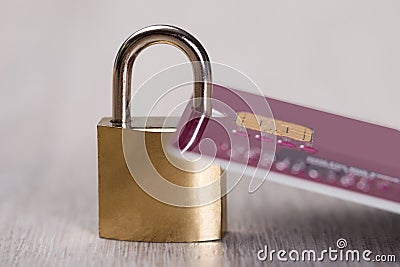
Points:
(303, 147)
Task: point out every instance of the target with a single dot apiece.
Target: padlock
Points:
(127, 211)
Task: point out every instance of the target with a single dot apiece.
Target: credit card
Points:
(303, 147)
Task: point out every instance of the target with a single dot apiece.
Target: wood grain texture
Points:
(48, 217)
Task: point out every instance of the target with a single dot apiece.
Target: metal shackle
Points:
(159, 34)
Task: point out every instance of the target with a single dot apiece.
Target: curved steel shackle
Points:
(160, 34)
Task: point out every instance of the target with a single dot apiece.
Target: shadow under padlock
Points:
(131, 156)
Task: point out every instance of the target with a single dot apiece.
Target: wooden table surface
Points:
(48, 217)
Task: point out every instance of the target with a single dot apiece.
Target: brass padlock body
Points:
(126, 212)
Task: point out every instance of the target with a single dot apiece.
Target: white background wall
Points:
(56, 60)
